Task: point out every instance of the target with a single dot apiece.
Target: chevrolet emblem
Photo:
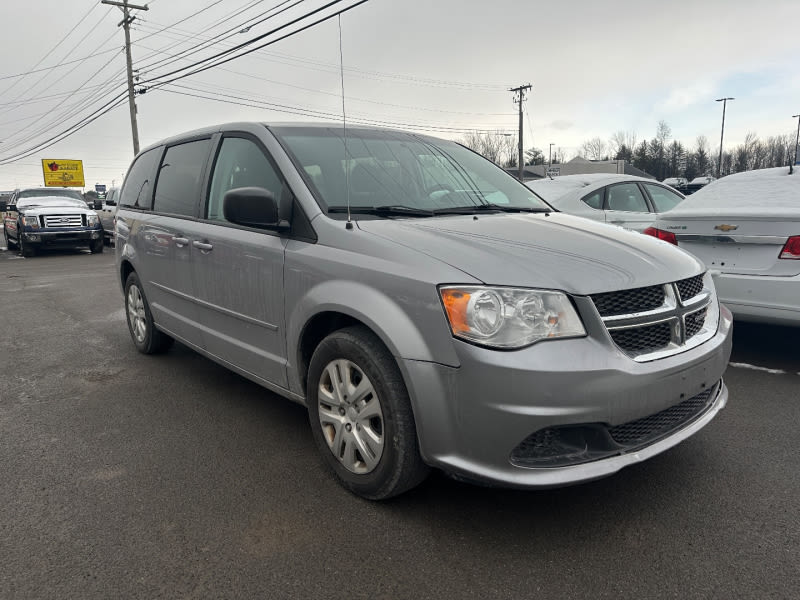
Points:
(726, 228)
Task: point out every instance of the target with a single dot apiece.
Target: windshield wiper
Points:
(467, 210)
(385, 210)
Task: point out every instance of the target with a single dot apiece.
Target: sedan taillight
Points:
(791, 248)
(666, 236)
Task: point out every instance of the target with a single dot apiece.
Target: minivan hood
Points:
(556, 251)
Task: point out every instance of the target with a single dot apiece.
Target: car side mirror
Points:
(252, 207)
(3, 206)
(98, 205)
(110, 203)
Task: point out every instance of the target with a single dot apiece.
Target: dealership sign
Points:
(62, 173)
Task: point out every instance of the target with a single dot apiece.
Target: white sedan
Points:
(746, 229)
(624, 200)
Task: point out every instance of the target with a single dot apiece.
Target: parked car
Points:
(698, 183)
(106, 214)
(679, 183)
(626, 200)
(426, 307)
(746, 229)
(50, 218)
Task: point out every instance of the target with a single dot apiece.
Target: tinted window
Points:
(240, 163)
(137, 190)
(178, 185)
(663, 199)
(626, 197)
(595, 200)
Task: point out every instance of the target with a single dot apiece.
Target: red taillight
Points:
(792, 248)
(667, 236)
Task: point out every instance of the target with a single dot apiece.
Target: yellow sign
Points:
(62, 173)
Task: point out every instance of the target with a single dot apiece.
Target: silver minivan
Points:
(426, 307)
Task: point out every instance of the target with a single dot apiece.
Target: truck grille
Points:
(653, 321)
(63, 221)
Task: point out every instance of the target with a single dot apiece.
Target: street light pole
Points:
(722, 133)
(797, 139)
(550, 157)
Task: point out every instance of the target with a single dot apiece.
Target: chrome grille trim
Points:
(638, 334)
(56, 221)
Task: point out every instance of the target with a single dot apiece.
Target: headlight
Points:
(509, 317)
(32, 222)
(92, 220)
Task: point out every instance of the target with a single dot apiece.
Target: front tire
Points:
(361, 415)
(145, 336)
(96, 247)
(25, 249)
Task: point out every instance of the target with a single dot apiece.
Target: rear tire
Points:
(145, 336)
(361, 415)
(9, 243)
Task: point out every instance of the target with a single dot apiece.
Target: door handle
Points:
(180, 242)
(204, 246)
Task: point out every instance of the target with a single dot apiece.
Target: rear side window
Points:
(179, 178)
(137, 190)
(595, 199)
(626, 197)
(663, 199)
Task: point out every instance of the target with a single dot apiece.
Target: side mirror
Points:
(110, 203)
(252, 207)
(98, 205)
(3, 206)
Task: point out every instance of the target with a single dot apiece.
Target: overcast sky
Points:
(442, 66)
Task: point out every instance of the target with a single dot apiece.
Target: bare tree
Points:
(500, 148)
(621, 141)
(594, 149)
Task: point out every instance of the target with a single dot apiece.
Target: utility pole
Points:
(550, 157)
(797, 139)
(126, 25)
(519, 98)
(722, 133)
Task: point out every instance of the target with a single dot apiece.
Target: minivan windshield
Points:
(401, 174)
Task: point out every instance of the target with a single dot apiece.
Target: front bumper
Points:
(760, 298)
(470, 419)
(62, 239)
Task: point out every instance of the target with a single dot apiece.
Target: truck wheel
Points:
(25, 250)
(361, 415)
(146, 338)
(96, 247)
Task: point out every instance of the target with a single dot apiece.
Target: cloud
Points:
(683, 97)
(561, 125)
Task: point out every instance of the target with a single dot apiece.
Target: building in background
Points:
(579, 166)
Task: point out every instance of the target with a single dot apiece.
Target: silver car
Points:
(746, 229)
(625, 200)
(427, 308)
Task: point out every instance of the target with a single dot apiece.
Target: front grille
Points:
(694, 322)
(689, 288)
(586, 442)
(629, 301)
(63, 221)
(641, 431)
(640, 340)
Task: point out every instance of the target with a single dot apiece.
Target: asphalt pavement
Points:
(129, 476)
